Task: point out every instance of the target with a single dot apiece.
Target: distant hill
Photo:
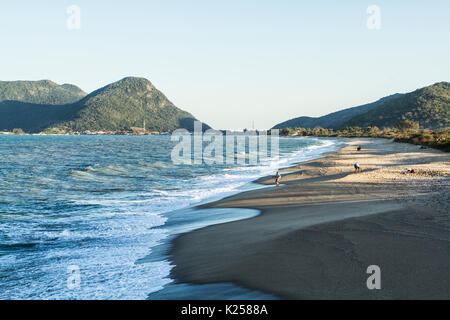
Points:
(40, 92)
(120, 106)
(126, 104)
(430, 106)
(31, 117)
(335, 119)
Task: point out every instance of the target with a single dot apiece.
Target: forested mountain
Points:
(429, 106)
(40, 92)
(334, 119)
(121, 106)
(127, 104)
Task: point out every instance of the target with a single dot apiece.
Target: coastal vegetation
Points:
(407, 131)
(421, 117)
(18, 131)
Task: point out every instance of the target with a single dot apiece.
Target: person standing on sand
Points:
(357, 167)
(277, 178)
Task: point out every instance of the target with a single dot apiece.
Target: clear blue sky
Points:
(232, 62)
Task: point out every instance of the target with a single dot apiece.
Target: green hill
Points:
(126, 104)
(332, 120)
(430, 106)
(40, 92)
(120, 106)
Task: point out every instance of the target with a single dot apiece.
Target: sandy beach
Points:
(325, 225)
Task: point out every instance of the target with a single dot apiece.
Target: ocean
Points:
(106, 208)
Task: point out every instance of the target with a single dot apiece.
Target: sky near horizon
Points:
(234, 62)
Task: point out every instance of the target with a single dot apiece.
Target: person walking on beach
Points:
(357, 168)
(277, 178)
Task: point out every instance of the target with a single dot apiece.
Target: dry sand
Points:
(319, 232)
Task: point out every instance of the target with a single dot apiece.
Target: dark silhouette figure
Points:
(277, 178)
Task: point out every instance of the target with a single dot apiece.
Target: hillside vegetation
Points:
(127, 104)
(32, 118)
(335, 119)
(429, 106)
(40, 92)
(123, 106)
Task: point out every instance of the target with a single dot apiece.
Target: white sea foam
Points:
(114, 230)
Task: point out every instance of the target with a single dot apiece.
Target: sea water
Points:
(106, 205)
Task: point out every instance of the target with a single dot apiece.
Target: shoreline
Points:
(317, 233)
(211, 217)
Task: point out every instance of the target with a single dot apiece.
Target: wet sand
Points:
(319, 232)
